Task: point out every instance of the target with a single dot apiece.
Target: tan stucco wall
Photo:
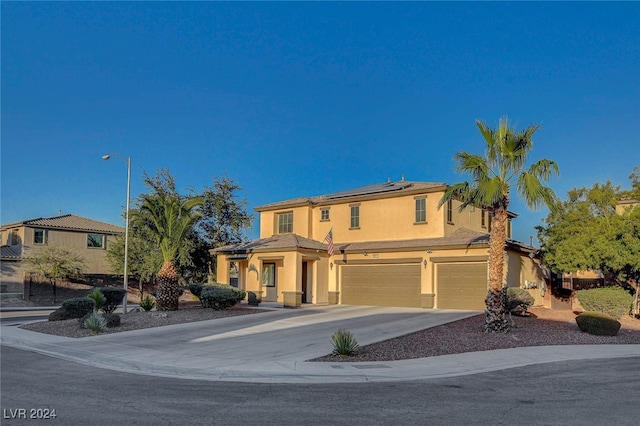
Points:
(398, 215)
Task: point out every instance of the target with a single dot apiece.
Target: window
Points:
(450, 211)
(355, 216)
(421, 210)
(39, 236)
(489, 222)
(285, 222)
(509, 228)
(269, 274)
(483, 218)
(96, 241)
(324, 214)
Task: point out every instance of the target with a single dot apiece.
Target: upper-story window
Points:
(483, 218)
(40, 236)
(509, 228)
(355, 216)
(96, 241)
(421, 210)
(324, 214)
(450, 211)
(285, 222)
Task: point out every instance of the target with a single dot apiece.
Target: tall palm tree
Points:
(493, 176)
(169, 220)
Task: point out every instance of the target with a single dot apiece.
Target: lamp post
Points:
(126, 228)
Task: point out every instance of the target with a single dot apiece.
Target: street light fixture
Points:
(126, 229)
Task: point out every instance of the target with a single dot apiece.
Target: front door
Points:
(304, 282)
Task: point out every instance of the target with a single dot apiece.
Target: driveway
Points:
(274, 347)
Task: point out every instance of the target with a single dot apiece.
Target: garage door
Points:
(381, 285)
(462, 286)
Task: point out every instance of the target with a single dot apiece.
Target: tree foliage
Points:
(586, 232)
(56, 263)
(223, 219)
(493, 175)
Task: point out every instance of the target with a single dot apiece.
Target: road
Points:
(603, 392)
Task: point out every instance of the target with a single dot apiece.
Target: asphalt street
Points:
(603, 392)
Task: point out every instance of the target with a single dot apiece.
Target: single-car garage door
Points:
(462, 286)
(381, 285)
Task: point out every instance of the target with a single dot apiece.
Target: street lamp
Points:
(126, 229)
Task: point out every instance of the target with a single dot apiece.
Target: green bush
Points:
(519, 300)
(111, 320)
(59, 315)
(343, 343)
(114, 298)
(220, 296)
(98, 298)
(147, 303)
(614, 301)
(95, 322)
(196, 289)
(78, 307)
(598, 323)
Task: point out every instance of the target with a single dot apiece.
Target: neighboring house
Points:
(88, 238)
(392, 247)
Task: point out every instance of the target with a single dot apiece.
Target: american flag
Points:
(329, 240)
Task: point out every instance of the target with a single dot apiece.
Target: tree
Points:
(588, 232)
(493, 176)
(169, 220)
(56, 263)
(224, 218)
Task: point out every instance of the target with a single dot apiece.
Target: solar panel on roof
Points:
(371, 189)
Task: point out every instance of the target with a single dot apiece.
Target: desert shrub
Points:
(98, 298)
(113, 320)
(59, 315)
(220, 296)
(343, 343)
(196, 289)
(114, 298)
(95, 322)
(147, 303)
(519, 300)
(614, 301)
(78, 307)
(598, 323)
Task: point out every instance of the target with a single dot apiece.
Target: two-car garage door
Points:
(461, 285)
(381, 285)
(458, 285)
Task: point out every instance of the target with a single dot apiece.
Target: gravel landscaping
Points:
(542, 327)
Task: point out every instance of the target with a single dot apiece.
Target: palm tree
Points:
(169, 220)
(493, 175)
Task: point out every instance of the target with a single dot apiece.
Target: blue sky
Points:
(303, 99)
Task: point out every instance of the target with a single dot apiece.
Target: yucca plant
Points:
(95, 322)
(99, 299)
(147, 303)
(343, 343)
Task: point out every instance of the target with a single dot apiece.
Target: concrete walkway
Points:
(274, 347)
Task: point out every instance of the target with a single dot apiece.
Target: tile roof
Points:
(276, 242)
(386, 189)
(70, 222)
(461, 238)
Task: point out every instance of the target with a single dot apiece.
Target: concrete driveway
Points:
(272, 347)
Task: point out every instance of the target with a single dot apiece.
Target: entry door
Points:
(304, 282)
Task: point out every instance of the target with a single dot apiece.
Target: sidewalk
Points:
(273, 348)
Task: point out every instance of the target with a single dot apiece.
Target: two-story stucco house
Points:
(392, 246)
(87, 237)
